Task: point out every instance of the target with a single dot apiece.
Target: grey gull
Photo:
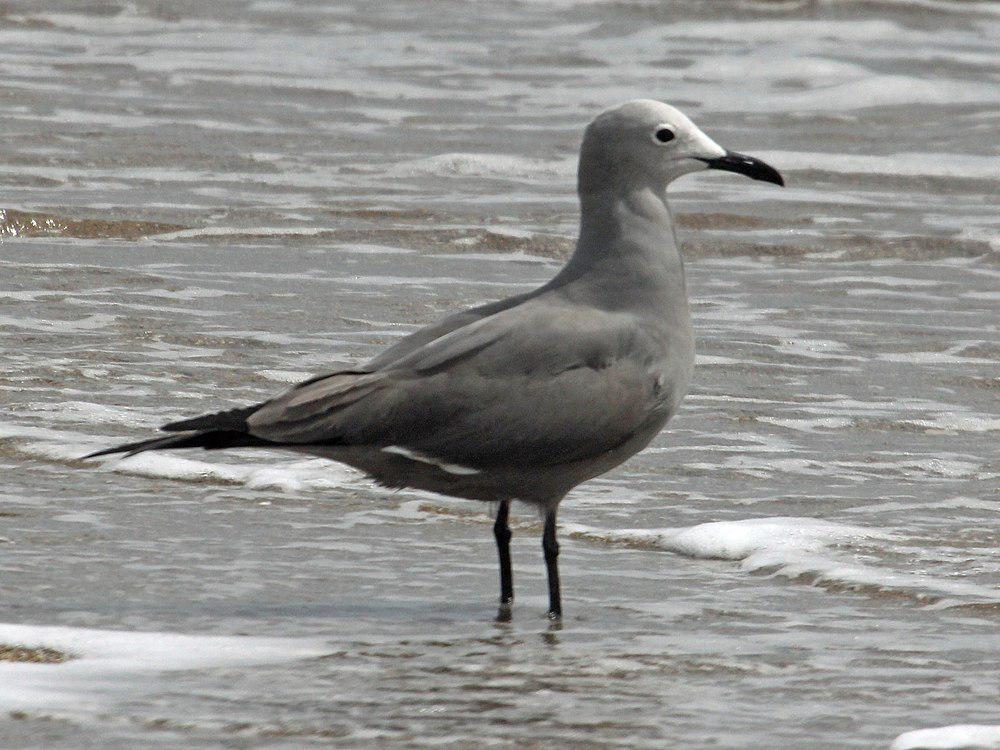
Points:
(525, 398)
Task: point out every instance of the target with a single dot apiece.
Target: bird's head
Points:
(648, 143)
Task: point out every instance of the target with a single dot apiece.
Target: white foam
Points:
(515, 257)
(992, 295)
(285, 376)
(890, 281)
(10, 430)
(954, 737)
(933, 358)
(88, 323)
(744, 540)
(886, 91)
(959, 423)
(109, 664)
(765, 467)
(495, 166)
(770, 29)
(713, 359)
(190, 293)
(86, 411)
(809, 425)
(948, 6)
(24, 295)
(741, 68)
(255, 470)
(797, 548)
(815, 349)
(897, 294)
(981, 234)
(185, 234)
(314, 474)
(795, 342)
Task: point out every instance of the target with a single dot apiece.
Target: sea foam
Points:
(105, 664)
(954, 737)
(802, 549)
(287, 473)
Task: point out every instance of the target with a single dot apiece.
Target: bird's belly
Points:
(406, 469)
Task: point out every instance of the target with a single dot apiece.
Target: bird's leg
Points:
(551, 548)
(502, 533)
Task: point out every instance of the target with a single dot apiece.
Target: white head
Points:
(645, 143)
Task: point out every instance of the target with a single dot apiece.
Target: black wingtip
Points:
(129, 450)
(231, 419)
(95, 454)
(210, 440)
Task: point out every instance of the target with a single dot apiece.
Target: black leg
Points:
(502, 533)
(551, 548)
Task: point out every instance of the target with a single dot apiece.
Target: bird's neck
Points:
(627, 252)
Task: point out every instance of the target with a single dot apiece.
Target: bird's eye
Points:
(664, 135)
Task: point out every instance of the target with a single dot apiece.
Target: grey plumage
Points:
(525, 398)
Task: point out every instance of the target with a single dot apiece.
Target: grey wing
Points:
(527, 386)
(576, 414)
(425, 335)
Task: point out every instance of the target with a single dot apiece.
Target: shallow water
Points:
(205, 203)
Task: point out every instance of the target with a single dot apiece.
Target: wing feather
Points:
(523, 386)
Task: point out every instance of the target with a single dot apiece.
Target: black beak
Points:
(755, 169)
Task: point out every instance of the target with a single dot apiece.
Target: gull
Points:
(524, 398)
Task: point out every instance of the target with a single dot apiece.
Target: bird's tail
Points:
(207, 439)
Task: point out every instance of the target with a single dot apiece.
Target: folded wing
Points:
(525, 386)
